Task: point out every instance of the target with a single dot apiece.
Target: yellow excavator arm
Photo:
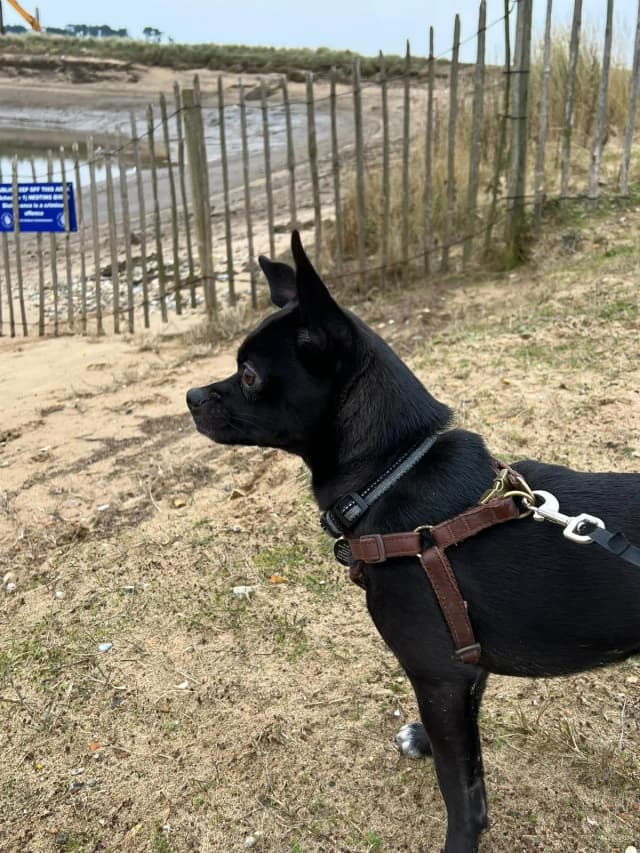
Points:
(33, 21)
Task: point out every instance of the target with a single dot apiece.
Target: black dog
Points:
(314, 380)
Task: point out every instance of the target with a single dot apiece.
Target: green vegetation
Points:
(236, 59)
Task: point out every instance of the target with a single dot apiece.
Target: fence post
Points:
(183, 192)
(228, 234)
(7, 280)
(16, 235)
(126, 229)
(386, 178)
(291, 157)
(428, 162)
(53, 253)
(95, 228)
(502, 135)
(543, 116)
(313, 166)
(113, 245)
(197, 191)
(174, 204)
(210, 283)
(357, 108)
(567, 127)
(598, 136)
(406, 133)
(335, 161)
(518, 171)
(247, 195)
(40, 251)
(81, 231)
(162, 284)
(451, 145)
(142, 215)
(476, 134)
(631, 115)
(266, 144)
(67, 242)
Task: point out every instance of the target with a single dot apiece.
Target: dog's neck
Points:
(384, 411)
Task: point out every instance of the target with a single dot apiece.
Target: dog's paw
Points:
(412, 741)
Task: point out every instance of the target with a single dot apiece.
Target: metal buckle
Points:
(466, 650)
(498, 488)
(379, 542)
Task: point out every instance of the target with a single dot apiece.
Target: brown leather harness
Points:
(377, 548)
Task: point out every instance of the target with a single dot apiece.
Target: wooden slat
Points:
(142, 218)
(631, 114)
(82, 237)
(67, 243)
(18, 247)
(428, 165)
(228, 231)
(386, 174)
(601, 111)
(113, 244)
(157, 223)
(518, 172)
(335, 162)
(40, 253)
(501, 144)
(291, 155)
(126, 230)
(313, 166)
(53, 258)
(570, 96)
(166, 138)
(543, 117)
(247, 196)
(360, 203)
(4, 239)
(95, 230)
(451, 145)
(266, 145)
(406, 136)
(210, 280)
(476, 135)
(183, 193)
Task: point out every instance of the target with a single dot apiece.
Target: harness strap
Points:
(452, 604)
(378, 548)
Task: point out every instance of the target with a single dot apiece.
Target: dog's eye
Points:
(248, 376)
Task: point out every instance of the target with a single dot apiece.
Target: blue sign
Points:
(41, 207)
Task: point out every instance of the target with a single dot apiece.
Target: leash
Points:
(582, 528)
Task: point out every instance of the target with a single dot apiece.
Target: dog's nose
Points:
(196, 397)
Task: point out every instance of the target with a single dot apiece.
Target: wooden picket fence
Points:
(172, 225)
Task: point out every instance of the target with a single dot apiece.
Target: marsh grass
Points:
(293, 62)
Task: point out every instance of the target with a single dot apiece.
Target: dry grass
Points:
(214, 717)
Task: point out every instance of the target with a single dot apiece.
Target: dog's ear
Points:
(281, 279)
(317, 306)
(326, 331)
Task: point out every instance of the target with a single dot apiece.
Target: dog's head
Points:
(289, 367)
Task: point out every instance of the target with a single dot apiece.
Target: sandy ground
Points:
(209, 718)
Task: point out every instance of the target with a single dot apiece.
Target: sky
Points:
(366, 26)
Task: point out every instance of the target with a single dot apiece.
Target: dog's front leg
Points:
(449, 712)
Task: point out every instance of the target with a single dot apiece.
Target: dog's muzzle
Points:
(197, 397)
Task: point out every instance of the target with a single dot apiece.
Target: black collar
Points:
(349, 509)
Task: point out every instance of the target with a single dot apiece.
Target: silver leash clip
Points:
(549, 510)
